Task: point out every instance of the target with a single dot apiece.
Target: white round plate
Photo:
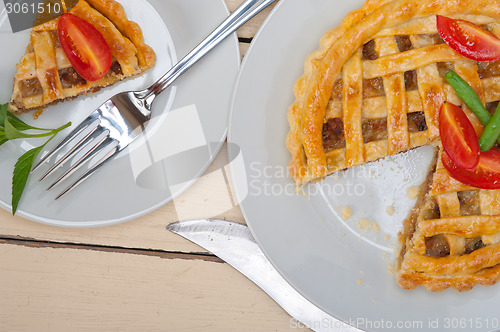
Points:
(188, 128)
(342, 266)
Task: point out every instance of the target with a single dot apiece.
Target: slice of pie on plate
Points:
(373, 89)
(452, 237)
(45, 76)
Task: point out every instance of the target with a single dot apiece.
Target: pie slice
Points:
(373, 89)
(45, 75)
(452, 237)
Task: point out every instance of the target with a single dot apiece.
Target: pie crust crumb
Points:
(346, 213)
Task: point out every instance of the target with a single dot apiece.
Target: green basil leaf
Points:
(19, 124)
(22, 171)
(12, 133)
(12, 127)
(16, 122)
(3, 114)
(3, 139)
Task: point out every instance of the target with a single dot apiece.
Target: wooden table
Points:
(136, 276)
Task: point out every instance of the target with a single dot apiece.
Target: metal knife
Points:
(234, 244)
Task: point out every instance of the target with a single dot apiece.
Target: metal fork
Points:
(121, 119)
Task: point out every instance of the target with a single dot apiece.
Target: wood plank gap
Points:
(245, 40)
(32, 243)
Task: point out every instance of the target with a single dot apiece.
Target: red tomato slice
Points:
(469, 39)
(85, 47)
(486, 175)
(458, 136)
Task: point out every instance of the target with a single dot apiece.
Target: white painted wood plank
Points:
(50, 289)
(249, 29)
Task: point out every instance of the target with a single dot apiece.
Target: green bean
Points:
(468, 96)
(471, 99)
(491, 132)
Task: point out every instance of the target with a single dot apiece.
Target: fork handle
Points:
(245, 12)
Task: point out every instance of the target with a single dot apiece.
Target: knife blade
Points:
(235, 244)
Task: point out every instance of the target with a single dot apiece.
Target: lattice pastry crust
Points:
(374, 89)
(45, 76)
(452, 237)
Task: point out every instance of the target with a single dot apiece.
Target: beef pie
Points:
(45, 75)
(373, 89)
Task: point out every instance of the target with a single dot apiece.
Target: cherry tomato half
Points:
(458, 136)
(85, 47)
(469, 39)
(486, 175)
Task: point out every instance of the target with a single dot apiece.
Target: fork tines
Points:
(98, 138)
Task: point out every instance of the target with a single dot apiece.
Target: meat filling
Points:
(404, 43)
(416, 122)
(437, 246)
(373, 87)
(70, 78)
(473, 244)
(369, 52)
(469, 203)
(333, 134)
(30, 87)
(432, 211)
(411, 82)
(488, 69)
(374, 130)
